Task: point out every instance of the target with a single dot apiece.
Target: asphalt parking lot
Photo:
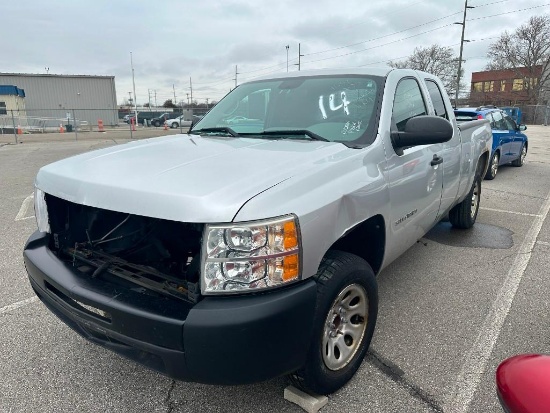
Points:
(451, 308)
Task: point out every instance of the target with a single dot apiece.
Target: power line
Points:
(508, 12)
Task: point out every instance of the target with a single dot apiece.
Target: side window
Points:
(489, 117)
(437, 99)
(3, 110)
(510, 122)
(408, 103)
(500, 123)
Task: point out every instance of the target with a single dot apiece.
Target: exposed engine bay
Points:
(157, 255)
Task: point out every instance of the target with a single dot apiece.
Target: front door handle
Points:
(436, 160)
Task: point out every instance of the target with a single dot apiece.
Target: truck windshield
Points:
(339, 108)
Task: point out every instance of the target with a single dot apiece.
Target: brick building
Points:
(505, 87)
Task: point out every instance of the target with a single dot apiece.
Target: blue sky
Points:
(172, 41)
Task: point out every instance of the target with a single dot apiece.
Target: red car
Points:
(523, 383)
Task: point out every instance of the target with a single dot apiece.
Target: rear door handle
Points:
(436, 160)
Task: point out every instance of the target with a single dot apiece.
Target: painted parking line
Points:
(525, 214)
(477, 358)
(24, 210)
(17, 305)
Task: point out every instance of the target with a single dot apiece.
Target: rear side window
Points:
(437, 99)
(408, 103)
(498, 121)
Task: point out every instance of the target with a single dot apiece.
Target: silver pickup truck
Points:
(248, 248)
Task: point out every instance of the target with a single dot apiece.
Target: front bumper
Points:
(219, 340)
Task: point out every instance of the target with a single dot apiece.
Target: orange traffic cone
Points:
(100, 125)
(133, 122)
(165, 126)
(19, 130)
(61, 128)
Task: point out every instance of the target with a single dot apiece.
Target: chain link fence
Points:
(535, 114)
(73, 120)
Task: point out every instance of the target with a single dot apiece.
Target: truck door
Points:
(451, 151)
(415, 174)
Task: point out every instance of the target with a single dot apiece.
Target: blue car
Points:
(509, 143)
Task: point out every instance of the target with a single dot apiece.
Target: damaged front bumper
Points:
(219, 340)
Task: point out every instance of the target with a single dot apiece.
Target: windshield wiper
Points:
(224, 129)
(295, 132)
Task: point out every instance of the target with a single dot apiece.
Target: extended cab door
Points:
(415, 174)
(451, 150)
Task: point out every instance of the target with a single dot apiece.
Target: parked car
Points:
(159, 120)
(510, 144)
(245, 251)
(176, 122)
(127, 118)
(522, 383)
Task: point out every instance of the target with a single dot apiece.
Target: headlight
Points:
(41, 211)
(250, 256)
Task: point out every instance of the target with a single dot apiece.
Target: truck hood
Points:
(184, 178)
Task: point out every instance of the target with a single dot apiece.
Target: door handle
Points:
(436, 160)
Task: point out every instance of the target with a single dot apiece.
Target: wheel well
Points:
(483, 163)
(366, 240)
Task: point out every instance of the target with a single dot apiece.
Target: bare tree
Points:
(527, 53)
(437, 60)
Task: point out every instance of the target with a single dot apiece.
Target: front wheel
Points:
(521, 160)
(156, 123)
(464, 214)
(174, 125)
(343, 325)
(493, 167)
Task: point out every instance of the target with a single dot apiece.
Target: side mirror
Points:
(522, 127)
(423, 130)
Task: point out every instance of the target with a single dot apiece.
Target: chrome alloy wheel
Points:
(523, 154)
(345, 326)
(475, 199)
(494, 165)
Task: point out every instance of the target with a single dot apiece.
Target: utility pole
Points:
(134, 87)
(156, 106)
(287, 47)
(191, 87)
(300, 55)
(174, 89)
(236, 73)
(149, 94)
(466, 7)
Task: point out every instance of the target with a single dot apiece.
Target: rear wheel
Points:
(156, 123)
(464, 214)
(521, 160)
(174, 125)
(493, 167)
(345, 317)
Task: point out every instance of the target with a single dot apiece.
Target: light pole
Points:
(287, 47)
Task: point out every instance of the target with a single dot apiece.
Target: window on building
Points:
(488, 86)
(502, 85)
(3, 110)
(437, 99)
(532, 82)
(517, 85)
(477, 87)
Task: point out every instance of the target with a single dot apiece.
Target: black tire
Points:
(493, 167)
(464, 214)
(156, 123)
(174, 125)
(521, 160)
(341, 277)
